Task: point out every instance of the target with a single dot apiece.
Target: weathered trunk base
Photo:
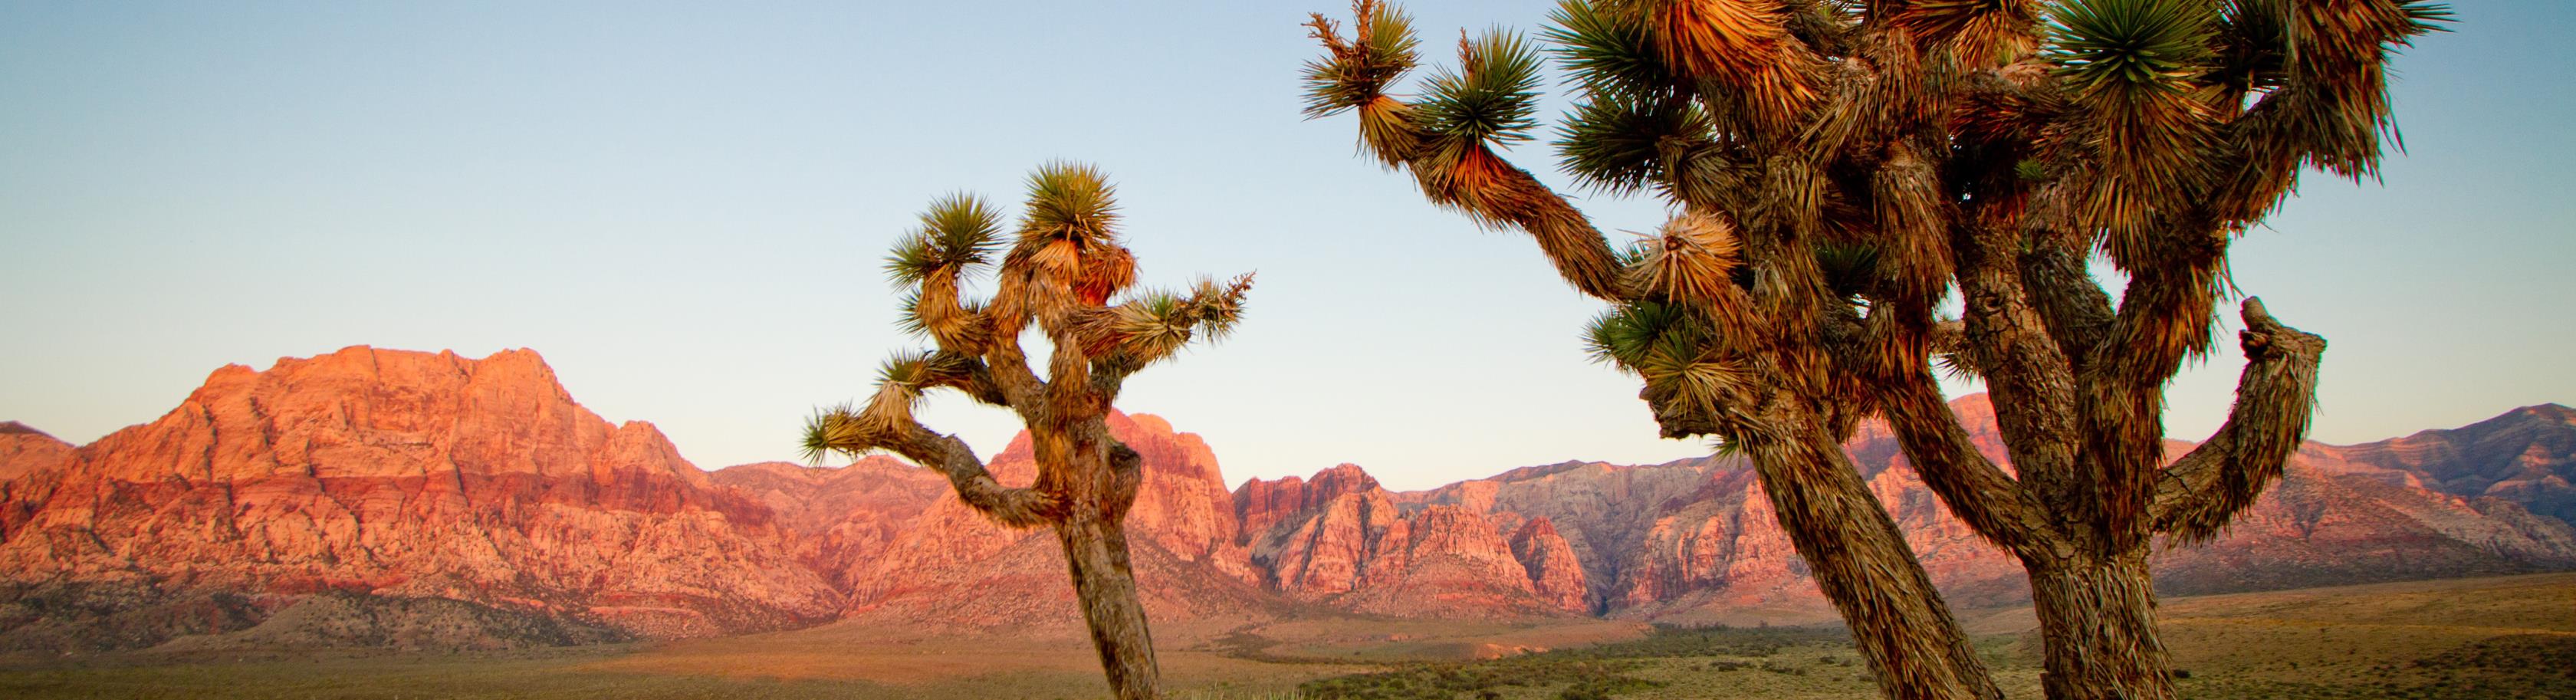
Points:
(1096, 552)
(2098, 621)
(1914, 646)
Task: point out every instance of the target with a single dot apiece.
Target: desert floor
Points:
(2506, 637)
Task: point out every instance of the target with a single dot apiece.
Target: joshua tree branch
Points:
(1069, 380)
(1452, 172)
(1972, 486)
(2077, 311)
(1011, 506)
(979, 382)
(2164, 318)
(2006, 338)
(1008, 365)
(2275, 396)
(1126, 473)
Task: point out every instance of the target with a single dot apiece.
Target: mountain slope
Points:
(2526, 456)
(405, 475)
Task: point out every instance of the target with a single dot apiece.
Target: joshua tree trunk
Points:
(1914, 647)
(1059, 276)
(2099, 616)
(1837, 168)
(1096, 550)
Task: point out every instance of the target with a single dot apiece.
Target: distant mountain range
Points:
(407, 499)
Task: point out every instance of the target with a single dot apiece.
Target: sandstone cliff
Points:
(408, 475)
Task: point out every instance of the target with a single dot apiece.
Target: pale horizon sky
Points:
(683, 208)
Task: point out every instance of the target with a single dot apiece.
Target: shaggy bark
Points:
(1096, 550)
(1914, 646)
(1783, 301)
(1058, 276)
(2099, 617)
(2093, 593)
(1838, 167)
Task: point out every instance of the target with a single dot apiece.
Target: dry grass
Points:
(2511, 637)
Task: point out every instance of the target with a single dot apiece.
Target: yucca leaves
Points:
(958, 234)
(832, 430)
(1069, 201)
(1606, 52)
(1692, 260)
(1153, 325)
(1740, 47)
(2133, 67)
(1220, 305)
(1978, 32)
(1624, 144)
(1675, 353)
(1622, 336)
(2130, 44)
(1490, 97)
(1356, 71)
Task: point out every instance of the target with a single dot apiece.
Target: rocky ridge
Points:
(347, 498)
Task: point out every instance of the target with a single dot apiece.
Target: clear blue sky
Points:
(683, 208)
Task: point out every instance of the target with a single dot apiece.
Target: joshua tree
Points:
(1837, 167)
(1060, 272)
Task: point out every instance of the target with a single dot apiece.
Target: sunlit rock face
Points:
(405, 474)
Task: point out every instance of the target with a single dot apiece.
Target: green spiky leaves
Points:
(1219, 305)
(1070, 201)
(1607, 52)
(1623, 144)
(1490, 97)
(2130, 44)
(832, 429)
(901, 381)
(1154, 325)
(1356, 71)
(1675, 352)
(958, 234)
(2135, 65)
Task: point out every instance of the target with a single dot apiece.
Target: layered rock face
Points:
(410, 475)
(1696, 539)
(1341, 540)
(2526, 456)
(951, 566)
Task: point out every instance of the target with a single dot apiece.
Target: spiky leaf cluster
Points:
(1676, 352)
(1625, 144)
(1607, 52)
(1357, 71)
(1070, 202)
(1490, 97)
(958, 234)
(1060, 270)
(1154, 325)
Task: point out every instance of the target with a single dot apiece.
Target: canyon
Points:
(426, 500)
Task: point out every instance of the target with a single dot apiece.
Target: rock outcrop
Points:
(407, 475)
(2526, 456)
(1555, 574)
(952, 566)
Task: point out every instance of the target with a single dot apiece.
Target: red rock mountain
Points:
(439, 493)
(401, 475)
(2527, 456)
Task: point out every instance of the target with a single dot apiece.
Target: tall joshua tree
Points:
(1837, 167)
(1060, 273)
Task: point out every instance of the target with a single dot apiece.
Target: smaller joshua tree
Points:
(1059, 273)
